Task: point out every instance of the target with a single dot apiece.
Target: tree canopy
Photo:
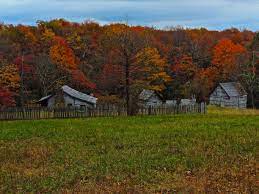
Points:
(119, 60)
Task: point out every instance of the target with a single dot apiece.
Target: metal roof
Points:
(79, 95)
(146, 94)
(233, 89)
(45, 98)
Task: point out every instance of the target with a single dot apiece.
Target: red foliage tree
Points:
(80, 80)
(24, 63)
(111, 78)
(6, 98)
(185, 68)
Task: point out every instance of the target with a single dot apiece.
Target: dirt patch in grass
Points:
(106, 185)
(219, 178)
(223, 179)
(23, 160)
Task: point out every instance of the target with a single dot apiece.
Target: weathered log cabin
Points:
(230, 94)
(149, 98)
(68, 97)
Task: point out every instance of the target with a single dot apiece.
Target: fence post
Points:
(119, 110)
(204, 108)
(149, 110)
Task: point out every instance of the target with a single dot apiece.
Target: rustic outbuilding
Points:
(149, 98)
(230, 94)
(68, 97)
(183, 102)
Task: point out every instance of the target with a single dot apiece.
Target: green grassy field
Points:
(183, 153)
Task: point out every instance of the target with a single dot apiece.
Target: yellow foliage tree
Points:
(48, 34)
(10, 78)
(149, 70)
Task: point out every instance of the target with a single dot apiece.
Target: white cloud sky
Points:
(213, 14)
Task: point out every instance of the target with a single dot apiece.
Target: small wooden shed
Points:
(68, 97)
(150, 98)
(230, 94)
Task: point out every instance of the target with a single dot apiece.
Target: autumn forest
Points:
(115, 62)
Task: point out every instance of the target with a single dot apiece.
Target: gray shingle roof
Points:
(233, 89)
(79, 95)
(146, 94)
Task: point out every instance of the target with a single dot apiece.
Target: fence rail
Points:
(99, 111)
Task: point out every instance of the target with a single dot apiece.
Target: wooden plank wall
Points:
(99, 111)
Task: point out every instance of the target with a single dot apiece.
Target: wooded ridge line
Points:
(116, 62)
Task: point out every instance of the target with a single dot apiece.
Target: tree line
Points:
(117, 61)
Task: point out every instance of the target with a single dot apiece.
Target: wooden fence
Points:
(99, 111)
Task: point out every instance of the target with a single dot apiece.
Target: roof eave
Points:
(81, 98)
(44, 98)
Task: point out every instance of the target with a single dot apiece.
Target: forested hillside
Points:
(116, 61)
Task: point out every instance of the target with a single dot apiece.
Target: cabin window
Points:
(69, 105)
(83, 106)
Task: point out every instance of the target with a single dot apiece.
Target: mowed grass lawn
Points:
(152, 154)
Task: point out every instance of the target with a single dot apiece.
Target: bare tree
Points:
(49, 77)
(251, 78)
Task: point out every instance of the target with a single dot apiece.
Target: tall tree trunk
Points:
(127, 84)
(254, 75)
(252, 98)
(22, 86)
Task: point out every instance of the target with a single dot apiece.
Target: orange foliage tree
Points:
(227, 58)
(62, 55)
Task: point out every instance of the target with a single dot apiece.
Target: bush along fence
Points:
(99, 111)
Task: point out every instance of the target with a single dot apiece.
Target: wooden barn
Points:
(230, 94)
(68, 97)
(150, 98)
